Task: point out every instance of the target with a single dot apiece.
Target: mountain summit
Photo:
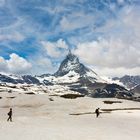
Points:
(72, 71)
(71, 63)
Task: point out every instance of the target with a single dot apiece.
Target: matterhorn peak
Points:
(69, 51)
(72, 58)
(70, 54)
(71, 63)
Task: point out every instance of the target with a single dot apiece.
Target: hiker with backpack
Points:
(10, 113)
(97, 112)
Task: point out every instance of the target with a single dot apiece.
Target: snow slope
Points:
(38, 118)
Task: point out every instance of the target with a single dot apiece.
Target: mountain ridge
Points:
(76, 77)
(129, 81)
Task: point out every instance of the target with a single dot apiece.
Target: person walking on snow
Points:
(97, 112)
(10, 113)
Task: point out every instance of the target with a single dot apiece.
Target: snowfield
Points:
(36, 117)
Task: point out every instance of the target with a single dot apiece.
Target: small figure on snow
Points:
(97, 112)
(10, 115)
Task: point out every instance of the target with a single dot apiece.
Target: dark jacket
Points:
(10, 113)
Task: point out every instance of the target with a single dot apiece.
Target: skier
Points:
(97, 112)
(10, 115)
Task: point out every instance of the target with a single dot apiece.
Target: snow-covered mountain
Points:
(71, 63)
(70, 71)
(15, 79)
(129, 81)
(136, 89)
(75, 77)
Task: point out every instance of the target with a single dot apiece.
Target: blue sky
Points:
(104, 34)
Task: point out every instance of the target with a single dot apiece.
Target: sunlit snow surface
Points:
(68, 78)
(35, 117)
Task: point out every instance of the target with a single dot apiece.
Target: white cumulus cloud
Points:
(41, 65)
(111, 56)
(112, 72)
(15, 65)
(109, 53)
(55, 49)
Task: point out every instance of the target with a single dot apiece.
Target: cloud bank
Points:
(15, 64)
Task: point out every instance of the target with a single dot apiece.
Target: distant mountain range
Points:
(77, 77)
(136, 89)
(129, 81)
(15, 79)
